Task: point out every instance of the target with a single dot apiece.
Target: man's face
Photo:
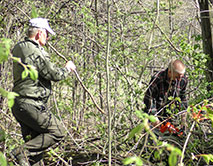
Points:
(177, 75)
(43, 37)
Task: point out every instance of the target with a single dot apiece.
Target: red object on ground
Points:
(171, 128)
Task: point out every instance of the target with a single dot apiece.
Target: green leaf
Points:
(3, 56)
(178, 99)
(152, 118)
(207, 158)
(4, 49)
(10, 103)
(210, 115)
(3, 161)
(11, 96)
(135, 130)
(24, 74)
(141, 115)
(170, 98)
(172, 158)
(34, 13)
(157, 154)
(174, 154)
(2, 135)
(134, 159)
(33, 73)
(138, 161)
(3, 92)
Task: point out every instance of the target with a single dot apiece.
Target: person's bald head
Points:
(176, 69)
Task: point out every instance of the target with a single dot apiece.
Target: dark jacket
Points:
(35, 91)
(160, 89)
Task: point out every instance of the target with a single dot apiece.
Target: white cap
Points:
(41, 23)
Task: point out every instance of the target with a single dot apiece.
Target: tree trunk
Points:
(207, 38)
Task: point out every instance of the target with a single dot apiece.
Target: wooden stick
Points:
(79, 79)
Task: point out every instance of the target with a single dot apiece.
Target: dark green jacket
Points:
(38, 91)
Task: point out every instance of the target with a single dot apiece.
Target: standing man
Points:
(40, 128)
(170, 82)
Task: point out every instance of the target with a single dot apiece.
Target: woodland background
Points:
(116, 46)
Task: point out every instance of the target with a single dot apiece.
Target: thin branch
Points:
(58, 112)
(79, 79)
(186, 142)
(107, 85)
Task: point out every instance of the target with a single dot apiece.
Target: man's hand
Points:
(70, 66)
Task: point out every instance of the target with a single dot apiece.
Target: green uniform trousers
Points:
(40, 129)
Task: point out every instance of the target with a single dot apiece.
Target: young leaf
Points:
(24, 74)
(152, 118)
(172, 159)
(128, 161)
(170, 98)
(34, 14)
(178, 99)
(157, 154)
(135, 130)
(4, 49)
(3, 161)
(33, 73)
(134, 159)
(207, 158)
(2, 135)
(210, 115)
(11, 96)
(3, 92)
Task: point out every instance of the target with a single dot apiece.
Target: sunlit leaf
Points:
(2, 135)
(141, 115)
(4, 49)
(34, 13)
(207, 158)
(172, 159)
(152, 118)
(178, 99)
(11, 96)
(170, 98)
(3, 161)
(33, 73)
(24, 74)
(135, 130)
(3, 92)
(134, 159)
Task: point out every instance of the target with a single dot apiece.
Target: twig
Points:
(79, 79)
(20, 10)
(167, 38)
(147, 132)
(58, 112)
(108, 85)
(186, 142)
(59, 157)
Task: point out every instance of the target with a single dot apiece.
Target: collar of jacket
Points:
(32, 41)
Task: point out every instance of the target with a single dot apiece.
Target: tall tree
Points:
(207, 37)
